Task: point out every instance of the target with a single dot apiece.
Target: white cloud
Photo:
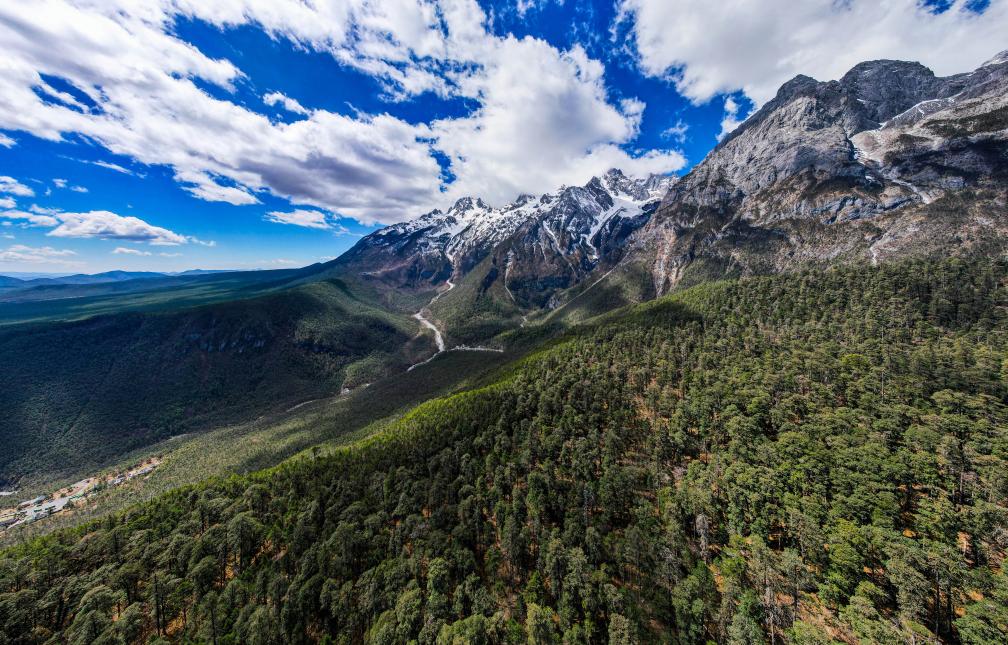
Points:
(34, 255)
(29, 219)
(289, 104)
(708, 48)
(677, 132)
(7, 202)
(122, 250)
(108, 165)
(202, 185)
(300, 217)
(98, 224)
(63, 184)
(6, 141)
(12, 186)
(170, 255)
(279, 262)
(731, 119)
(528, 133)
(534, 132)
(110, 226)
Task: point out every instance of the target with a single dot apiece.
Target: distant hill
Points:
(29, 281)
(95, 278)
(59, 301)
(81, 392)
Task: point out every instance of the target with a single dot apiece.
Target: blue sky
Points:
(163, 135)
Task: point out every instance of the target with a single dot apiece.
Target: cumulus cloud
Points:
(107, 225)
(29, 218)
(63, 183)
(300, 217)
(12, 186)
(98, 224)
(203, 186)
(146, 100)
(35, 255)
(755, 46)
(289, 104)
(7, 202)
(6, 141)
(534, 132)
(122, 250)
(731, 119)
(283, 262)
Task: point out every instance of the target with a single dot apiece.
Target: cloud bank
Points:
(710, 48)
(115, 73)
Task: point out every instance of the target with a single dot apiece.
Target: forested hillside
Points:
(803, 458)
(78, 394)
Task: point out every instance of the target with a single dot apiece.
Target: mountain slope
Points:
(77, 301)
(81, 393)
(888, 161)
(507, 260)
(807, 458)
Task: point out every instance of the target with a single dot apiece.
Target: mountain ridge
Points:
(430, 249)
(803, 180)
(825, 171)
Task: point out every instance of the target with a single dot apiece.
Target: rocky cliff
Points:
(889, 160)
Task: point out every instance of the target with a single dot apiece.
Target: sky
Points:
(167, 135)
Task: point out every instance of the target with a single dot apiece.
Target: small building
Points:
(32, 502)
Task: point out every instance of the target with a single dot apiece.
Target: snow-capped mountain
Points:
(554, 239)
(575, 230)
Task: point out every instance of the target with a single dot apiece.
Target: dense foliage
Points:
(797, 459)
(76, 394)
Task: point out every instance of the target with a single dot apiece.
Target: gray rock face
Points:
(826, 169)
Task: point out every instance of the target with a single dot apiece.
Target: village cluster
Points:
(45, 505)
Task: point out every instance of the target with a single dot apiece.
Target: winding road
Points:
(424, 322)
(438, 337)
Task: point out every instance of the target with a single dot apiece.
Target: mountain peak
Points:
(1000, 59)
(870, 68)
(468, 204)
(798, 85)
